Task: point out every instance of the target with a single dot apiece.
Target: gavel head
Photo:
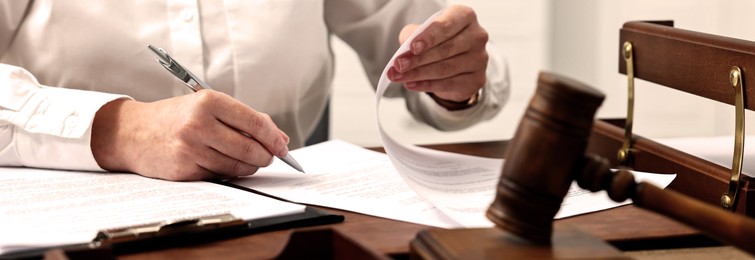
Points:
(544, 156)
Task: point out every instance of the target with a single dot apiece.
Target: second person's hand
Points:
(447, 59)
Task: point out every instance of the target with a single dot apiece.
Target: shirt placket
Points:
(185, 38)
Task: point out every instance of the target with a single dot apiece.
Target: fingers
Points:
(448, 58)
(454, 79)
(185, 156)
(445, 27)
(466, 42)
(406, 32)
(259, 126)
(221, 166)
(237, 146)
(204, 164)
(442, 69)
(199, 136)
(448, 89)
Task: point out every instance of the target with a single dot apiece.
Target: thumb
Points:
(405, 32)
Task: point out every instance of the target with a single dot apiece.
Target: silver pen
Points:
(195, 84)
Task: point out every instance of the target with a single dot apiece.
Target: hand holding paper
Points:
(448, 58)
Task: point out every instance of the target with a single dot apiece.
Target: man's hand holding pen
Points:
(190, 137)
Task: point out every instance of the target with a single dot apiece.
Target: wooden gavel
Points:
(547, 153)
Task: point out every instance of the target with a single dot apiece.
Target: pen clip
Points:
(177, 70)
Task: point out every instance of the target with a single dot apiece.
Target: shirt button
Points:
(187, 15)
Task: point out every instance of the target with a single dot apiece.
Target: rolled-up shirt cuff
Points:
(60, 137)
(47, 127)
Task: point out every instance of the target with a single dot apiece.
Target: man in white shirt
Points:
(80, 90)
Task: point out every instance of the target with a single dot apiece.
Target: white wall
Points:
(586, 44)
(578, 38)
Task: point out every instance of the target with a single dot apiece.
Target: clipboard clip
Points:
(165, 229)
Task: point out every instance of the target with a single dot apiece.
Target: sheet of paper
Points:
(451, 182)
(345, 176)
(40, 208)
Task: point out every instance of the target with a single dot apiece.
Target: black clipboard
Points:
(209, 229)
(185, 232)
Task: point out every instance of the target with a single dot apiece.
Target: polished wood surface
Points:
(568, 242)
(625, 227)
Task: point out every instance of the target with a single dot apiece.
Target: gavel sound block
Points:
(546, 154)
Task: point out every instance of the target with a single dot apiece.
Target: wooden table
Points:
(626, 227)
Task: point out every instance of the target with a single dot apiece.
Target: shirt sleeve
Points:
(371, 28)
(46, 127)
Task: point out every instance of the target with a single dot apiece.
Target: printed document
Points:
(456, 189)
(44, 208)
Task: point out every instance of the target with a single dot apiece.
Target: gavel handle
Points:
(735, 229)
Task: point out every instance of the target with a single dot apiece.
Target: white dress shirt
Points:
(63, 60)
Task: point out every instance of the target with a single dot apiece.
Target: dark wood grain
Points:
(690, 61)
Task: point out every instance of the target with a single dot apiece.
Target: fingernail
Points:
(397, 75)
(410, 85)
(403, 64)
(417, 47)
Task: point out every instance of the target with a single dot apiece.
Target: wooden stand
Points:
(493, 243)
